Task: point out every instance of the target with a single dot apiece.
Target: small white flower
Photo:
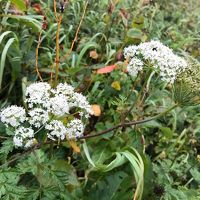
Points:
(134, 66)
(24, 132)
(38, 94)
(73, 99)
(63, 89)
(57, 129)
(59, 105)
(13, 116)
(23, 136)
(75, 129)
(18, 141)
(78, 100)
(38, 117)
(130, 52)
(29, 143)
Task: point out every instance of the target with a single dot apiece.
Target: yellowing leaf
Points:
(35, 141)
(20, 4)
(74, 146)
(116, 85)
(96, 109)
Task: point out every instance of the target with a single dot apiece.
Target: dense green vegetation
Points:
(143, 140)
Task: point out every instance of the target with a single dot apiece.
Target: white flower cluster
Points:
(48, 109)
(38, 117)
(38, 93)
(159, 56)
(57, 129)
(75, 129)
(24, 137)
(13, 116)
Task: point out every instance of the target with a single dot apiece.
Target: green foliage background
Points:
(172, 142)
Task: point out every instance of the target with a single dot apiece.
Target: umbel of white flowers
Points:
(49, 109)
(159, 56)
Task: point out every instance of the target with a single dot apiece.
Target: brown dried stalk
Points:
(57, 58)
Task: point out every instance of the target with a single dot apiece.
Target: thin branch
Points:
(36, 56)
(126, 124)
(145, 90)
(19, 155)
(4, 137)
(55, 10)
(57, 60)
(76, 34)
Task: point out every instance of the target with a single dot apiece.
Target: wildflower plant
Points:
(51, 109)
(51, 148)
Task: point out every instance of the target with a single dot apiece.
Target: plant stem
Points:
(4, 137)
(125, 124)
(57, 60)
(144, 90)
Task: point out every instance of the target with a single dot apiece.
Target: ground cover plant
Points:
(99, 100)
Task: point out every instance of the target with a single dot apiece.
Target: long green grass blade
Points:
(3, 35)
(3, 57)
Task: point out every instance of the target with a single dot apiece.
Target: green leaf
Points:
(134, 33)
(168, 133)
(138, 22)
(106, 188)
(30, 20)
(20, 4)
(9, 188)
(196, 174)
(3, 57)
(7, 147)
(4, 34)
